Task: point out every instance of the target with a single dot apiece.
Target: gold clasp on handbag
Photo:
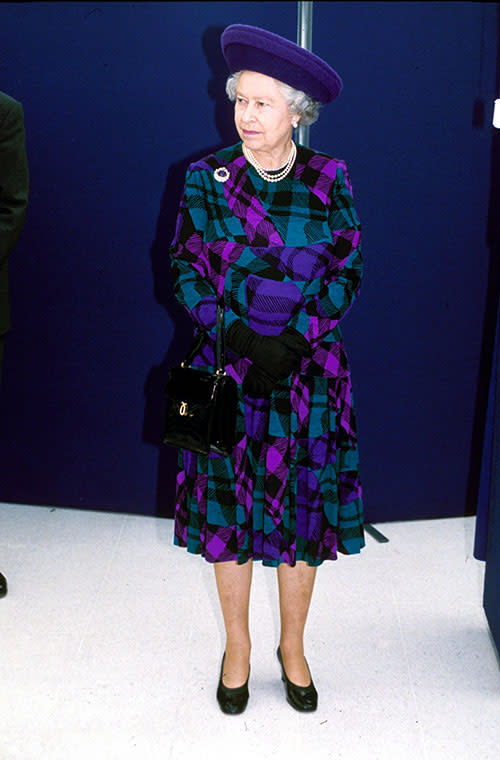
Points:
(183, 409)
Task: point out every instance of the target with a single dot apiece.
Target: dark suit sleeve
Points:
(14, 176)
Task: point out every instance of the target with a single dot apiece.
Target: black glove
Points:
(257, 383)
(278, 355)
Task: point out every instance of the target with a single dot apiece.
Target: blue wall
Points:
(118, 98)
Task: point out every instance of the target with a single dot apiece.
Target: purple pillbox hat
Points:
(248, 48)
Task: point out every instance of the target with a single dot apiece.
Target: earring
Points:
(294, 124)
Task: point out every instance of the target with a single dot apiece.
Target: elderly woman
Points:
(269, 228)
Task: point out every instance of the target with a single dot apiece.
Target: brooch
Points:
(221, 174)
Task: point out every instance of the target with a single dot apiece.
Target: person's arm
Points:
(327, 299)
(198, 280)
(14, 176)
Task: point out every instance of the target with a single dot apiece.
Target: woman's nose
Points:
(248, 113)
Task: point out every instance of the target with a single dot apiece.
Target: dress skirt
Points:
(291, 490)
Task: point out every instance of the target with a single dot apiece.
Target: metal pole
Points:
(304, 39)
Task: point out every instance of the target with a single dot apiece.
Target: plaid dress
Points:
(284, 253)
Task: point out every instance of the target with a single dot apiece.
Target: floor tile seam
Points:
(90, 615)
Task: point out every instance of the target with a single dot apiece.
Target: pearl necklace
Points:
(266, 174)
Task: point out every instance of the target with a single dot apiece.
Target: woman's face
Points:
(261, 114)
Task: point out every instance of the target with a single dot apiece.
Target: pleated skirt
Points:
(291, 490)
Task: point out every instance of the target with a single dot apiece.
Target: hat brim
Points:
(249, 48)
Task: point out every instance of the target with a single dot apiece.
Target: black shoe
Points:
(232, 701)
(3, 586)
(303, 698)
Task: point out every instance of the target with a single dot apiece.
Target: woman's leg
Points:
(295, 590)
(233, 584)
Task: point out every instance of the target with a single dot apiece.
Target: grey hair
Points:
(298, 102)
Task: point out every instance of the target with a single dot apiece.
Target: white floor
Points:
(111, 639)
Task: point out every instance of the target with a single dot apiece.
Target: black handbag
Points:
(201, 403)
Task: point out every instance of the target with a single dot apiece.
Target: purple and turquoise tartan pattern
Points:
(280, 254)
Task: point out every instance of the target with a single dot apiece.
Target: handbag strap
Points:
(220, 343)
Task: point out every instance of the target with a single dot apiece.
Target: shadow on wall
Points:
(163, 279)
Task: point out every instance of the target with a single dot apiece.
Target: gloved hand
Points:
(278, 355)
(258, 383)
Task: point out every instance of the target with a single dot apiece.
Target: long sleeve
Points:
(327, 299)
(199, 270)
(14, 189)
(14, 177)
